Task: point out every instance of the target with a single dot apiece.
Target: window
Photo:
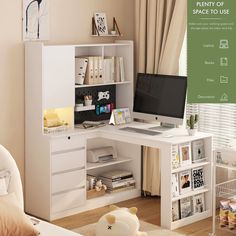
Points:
(218, 119)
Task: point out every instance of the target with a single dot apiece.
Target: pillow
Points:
(13, 220)
(4, 181)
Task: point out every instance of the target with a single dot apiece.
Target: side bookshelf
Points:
(191, 179)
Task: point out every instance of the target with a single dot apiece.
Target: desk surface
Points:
(177, 135)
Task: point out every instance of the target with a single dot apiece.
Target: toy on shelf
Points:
(120, 221)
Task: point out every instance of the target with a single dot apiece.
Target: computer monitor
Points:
(160, 98)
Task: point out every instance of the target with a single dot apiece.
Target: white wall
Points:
(70, 22)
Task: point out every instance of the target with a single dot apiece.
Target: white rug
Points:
(152, 230)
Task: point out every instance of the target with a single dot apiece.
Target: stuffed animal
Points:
(119, 222)
(99, 186)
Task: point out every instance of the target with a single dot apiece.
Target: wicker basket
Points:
(93, 193)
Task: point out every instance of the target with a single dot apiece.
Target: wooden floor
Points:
(148, 211)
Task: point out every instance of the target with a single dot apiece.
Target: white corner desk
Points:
(64, 168)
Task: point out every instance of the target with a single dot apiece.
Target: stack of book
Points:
(118, 180)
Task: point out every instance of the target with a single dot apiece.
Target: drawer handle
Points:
(68, 137)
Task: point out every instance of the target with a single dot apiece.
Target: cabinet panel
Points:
(68, 200)
(58, 76)
(68, 181)
(68, 160)
(67, 143)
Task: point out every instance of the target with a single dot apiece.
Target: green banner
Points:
(211, 51)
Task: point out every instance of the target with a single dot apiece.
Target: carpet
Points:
(152, 230)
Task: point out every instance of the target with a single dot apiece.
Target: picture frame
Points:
(185, 181)
(185, 154)
(101, 23)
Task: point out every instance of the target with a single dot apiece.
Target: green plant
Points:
(193, 119)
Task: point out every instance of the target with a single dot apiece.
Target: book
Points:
(185, 184)
(175, 157)
(80, 70)
(198, 178)
(198, 203)
(198, 151)
(95, 70)
(120, 189)
(107, 73)
(185, 154)
(175, 185)
(175, 211)
(118, 179)
(117, 69)
(185, 207)
(100, 70)
(118, 183)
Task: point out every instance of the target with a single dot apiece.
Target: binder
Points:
(113, 71)
(122, 69)
(117, 68)
(106, 73)
(95, 70)
(100, 70)
(89, 79)
(80, 70)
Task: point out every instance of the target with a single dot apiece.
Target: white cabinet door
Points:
(58, 76)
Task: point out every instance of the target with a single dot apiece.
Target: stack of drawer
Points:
(68, 175)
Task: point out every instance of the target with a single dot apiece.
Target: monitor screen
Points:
(160, 95)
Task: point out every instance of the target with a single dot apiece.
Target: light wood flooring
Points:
(148, 211)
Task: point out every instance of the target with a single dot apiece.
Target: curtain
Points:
(159, 34)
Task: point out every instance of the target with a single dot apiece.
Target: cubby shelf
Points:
(190, 193)
(91, 166)
(192, 166)
(94, 85)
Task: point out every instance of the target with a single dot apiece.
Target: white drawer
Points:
(68, 160)
(68, 181)
(68, 200)
(67, 143)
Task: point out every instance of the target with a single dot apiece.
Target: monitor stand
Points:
(163, 127)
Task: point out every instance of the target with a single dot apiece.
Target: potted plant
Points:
(88, 100)
(191, 122)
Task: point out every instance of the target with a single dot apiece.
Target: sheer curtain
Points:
(160, 28)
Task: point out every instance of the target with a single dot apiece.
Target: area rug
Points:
(152, 230)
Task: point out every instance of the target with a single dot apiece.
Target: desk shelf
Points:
(194, 165)
(96, 85)
(92, 166)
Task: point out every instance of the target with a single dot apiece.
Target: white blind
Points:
(217, 119)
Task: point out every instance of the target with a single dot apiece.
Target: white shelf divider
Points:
(190, 194)
(84, 108)
(96, 85)
(192, 166)
(92, 166)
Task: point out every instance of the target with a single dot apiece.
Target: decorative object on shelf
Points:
(88, 99)
(175, 211)
(100, 28)
(198, 203)
(119, 221)
(101, 109)
(198, 178)
(120, 116)
(185, 207)
(191, 122)
(185, 181)
(218, 157)
(103, 95)
(185, 154)
(198, 151)
(224, 212)
(80, 70)
(175, 157)
(95, 187)
(35, 20)
(99, 25)
(100, 186)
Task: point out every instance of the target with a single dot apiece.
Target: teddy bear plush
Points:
(119, 222)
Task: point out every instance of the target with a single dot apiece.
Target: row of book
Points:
(118, 180)
(188, 180)
(188, 153)
(99, 70)
(188, 206)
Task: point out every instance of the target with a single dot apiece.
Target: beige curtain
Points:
(160, 29)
